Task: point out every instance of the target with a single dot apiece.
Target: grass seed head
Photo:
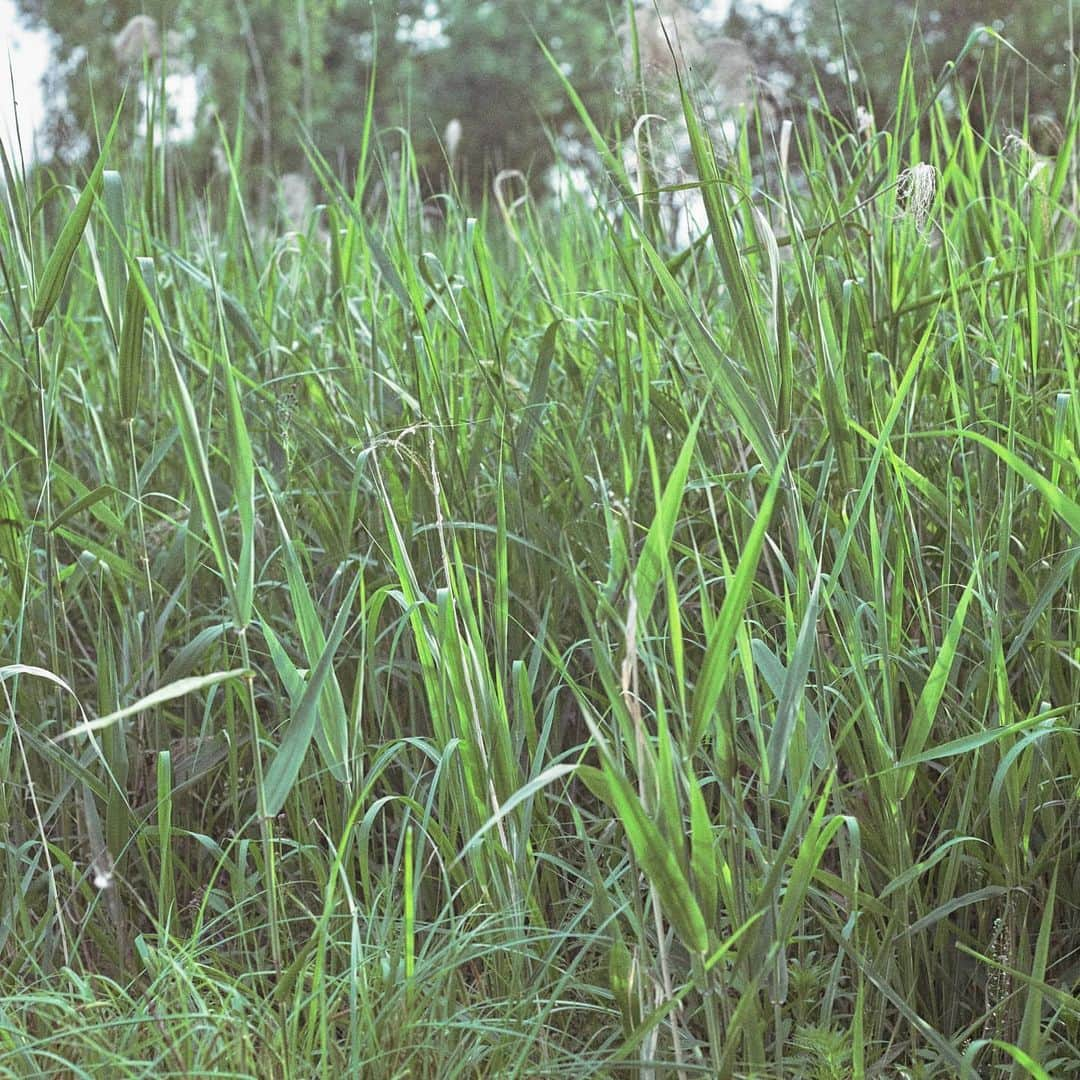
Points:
(1016, 147)
(1046, 134)
(102, 869)
(864, 123)
(452, 139)
(917, 187)
(139, 38)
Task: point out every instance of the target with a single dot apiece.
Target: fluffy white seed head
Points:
(917, 187)
(139, 38)
(102, 869)
(452, 139)
(864, 122)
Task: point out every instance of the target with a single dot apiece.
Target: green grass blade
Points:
(284, 769)
(926, 709)
(656, 551)
(787, 712)
(716, 664)
(174, 690)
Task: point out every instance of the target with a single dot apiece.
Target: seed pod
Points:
(51, 282)
(131, 339)
(1047, 135)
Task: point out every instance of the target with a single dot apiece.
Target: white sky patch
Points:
(24, 54)
(182, 94)
(717, 11)
(424, 35)
(183, 90)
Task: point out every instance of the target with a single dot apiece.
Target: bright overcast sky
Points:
(25, 55)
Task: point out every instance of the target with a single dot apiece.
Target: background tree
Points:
(274, 66)
(805, 47)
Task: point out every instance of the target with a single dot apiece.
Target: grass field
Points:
(512, 648)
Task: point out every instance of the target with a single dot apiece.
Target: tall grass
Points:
(507, 648)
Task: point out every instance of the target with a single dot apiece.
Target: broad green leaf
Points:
(704, 864)
(242, 465)
(130, 356)
(658, 863)
(787, 712)
(334, 741)
(737, 394)
(91, 498)
(537, 393)
(623, 983)
(1030, 1026)
(166, 876)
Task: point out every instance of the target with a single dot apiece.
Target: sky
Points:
(24, 54)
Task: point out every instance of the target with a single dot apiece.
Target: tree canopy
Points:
(276, 68)
(279, 68)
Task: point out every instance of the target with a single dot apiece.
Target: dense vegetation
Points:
(269, 65)
(503, 646)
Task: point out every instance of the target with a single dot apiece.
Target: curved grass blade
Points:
(658, 542)
(794, 690)
(658, 862)
(930, 699)
(167, 693)
(1067, 509)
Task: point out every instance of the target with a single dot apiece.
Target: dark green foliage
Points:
(860, 42)
(277, 67)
